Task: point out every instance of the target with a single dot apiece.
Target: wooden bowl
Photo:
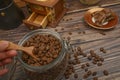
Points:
(88, 19)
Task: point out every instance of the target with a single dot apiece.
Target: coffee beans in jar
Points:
(46, 48)
(51, 51)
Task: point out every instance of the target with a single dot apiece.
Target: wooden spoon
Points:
(27, 50)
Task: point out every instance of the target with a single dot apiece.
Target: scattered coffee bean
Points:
(75, 75)
(84, 32)
(101, 59)
(89, 72)
(87, 64)
(84, 55)
(85, 76)
(62, 28)
(67, 19)
(94, 73)
(70, 33)
(86, 69)
(95, 78)
(63, 37)
(89, 57)
(56, 30)
(93, 54)
(79, 32)
(69, 56)
(92, 51)
(102, 33)
(68, 38)
(79, 49)
(75, 55)
(67, 76)
(80, 53)
(102, 50)
(83, 66)
(99, 63)
(78, 61)
(105, 72)
(74, 62)
(71, 19)
(73, 70)
(94, 62)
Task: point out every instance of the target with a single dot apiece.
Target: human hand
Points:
(5, 56)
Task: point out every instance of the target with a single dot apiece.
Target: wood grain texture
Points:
(84, 36)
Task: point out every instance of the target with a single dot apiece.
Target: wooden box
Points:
(45, 12)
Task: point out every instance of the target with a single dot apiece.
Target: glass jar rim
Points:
(10, 4)
(54, 62)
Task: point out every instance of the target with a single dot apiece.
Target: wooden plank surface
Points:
(84, 36)
(76, 5)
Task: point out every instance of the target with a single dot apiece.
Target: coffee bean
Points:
(62, 28)
(80, 53)
(95, 78)
(84, 32)
(102, 50)
(78, 61)
(56, 30)
(94, 62)
(67, 19)
(92, 51)
(70, 33)
(75, 55)
(84, 55)
(83, 66)
(89, 72)
(71, 19)
(68, 38)
(101, 59)
(105, 72)
(89, 57)
(73, 70)
(99, 64)
(70, 62)
(102, 33)
(74, 62)
(93, 54)
(85, 76)
(75, 75)
(79, 32)
(94, 73)
(79, 49)
(86, 69)
(67, 76)
(87, 64)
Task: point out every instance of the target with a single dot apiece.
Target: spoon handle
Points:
(27, 50)
(13, 46)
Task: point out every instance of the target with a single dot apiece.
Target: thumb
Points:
(3, 45)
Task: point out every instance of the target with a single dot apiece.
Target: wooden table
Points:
(73, 26)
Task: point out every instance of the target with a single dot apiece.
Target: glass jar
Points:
(52, 71)
(89, 2)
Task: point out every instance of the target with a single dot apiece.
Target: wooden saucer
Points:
(88, 19)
